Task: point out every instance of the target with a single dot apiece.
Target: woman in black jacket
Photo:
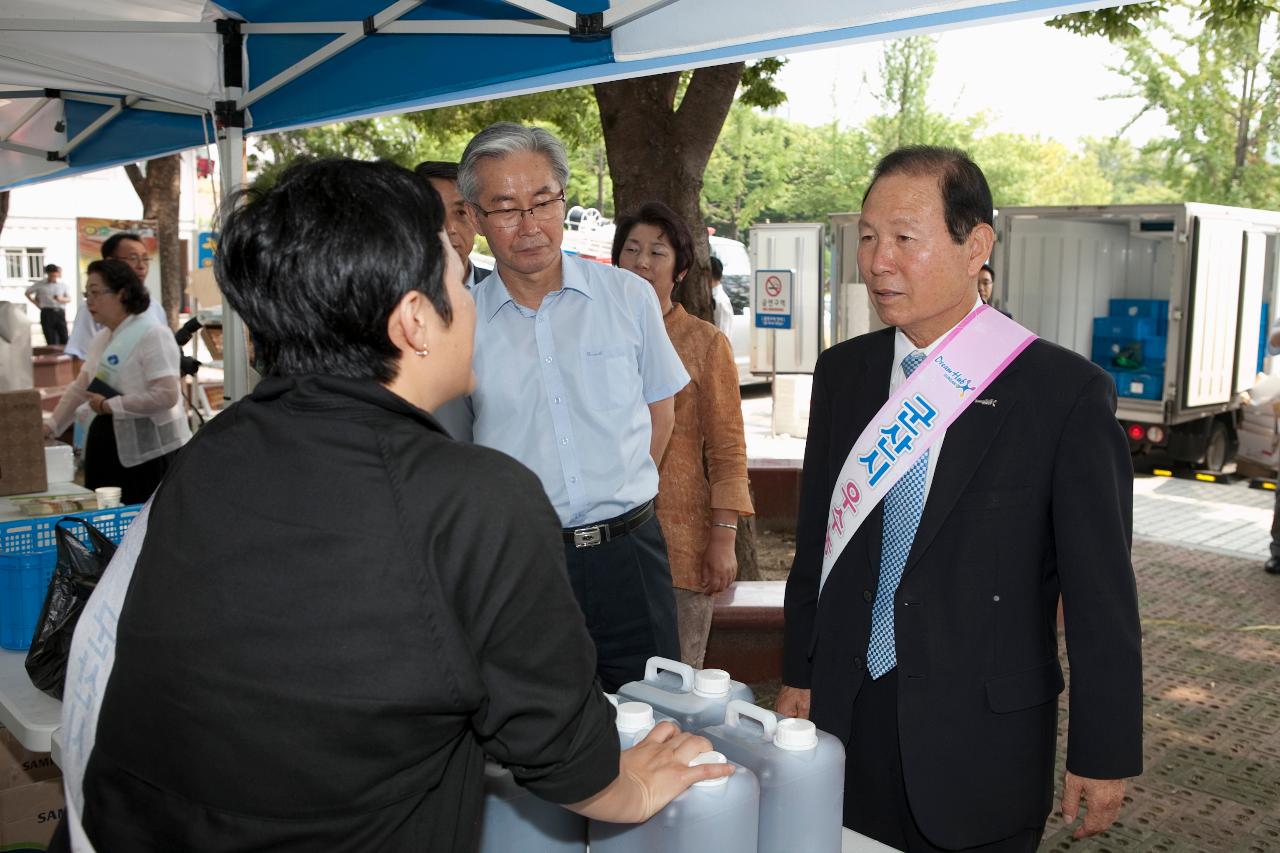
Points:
(334, 610)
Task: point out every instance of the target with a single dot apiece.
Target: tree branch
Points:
(139, 182)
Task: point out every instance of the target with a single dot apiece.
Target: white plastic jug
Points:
(715, 815)
(801, 774)
(635, 721)
(694, 699)
(515, 819)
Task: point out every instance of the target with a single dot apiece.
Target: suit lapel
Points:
(967, 443)
(877, 368)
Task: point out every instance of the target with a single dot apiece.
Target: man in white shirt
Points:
(454, 415)
(723, 313)
(124, 246)
(461, 231)
(50, 295)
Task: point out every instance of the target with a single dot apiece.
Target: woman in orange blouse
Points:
(702, 485)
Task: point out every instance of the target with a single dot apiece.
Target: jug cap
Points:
(795, 735)
(711, 683)
(711, 757)
(634, 716)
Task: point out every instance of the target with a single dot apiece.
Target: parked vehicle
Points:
(737, 284)
(1171, 299)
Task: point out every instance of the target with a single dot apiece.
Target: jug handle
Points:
(656, 664)
(742, 708)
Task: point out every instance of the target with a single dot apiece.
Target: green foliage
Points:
(748, 172)
(757, 88)
(1218, 87)
(768, 168)
(1126, 22)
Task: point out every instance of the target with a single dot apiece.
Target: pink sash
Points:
(910, 422)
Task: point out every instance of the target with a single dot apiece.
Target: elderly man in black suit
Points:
(947, 699)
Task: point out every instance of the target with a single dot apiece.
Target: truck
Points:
(1173, 300)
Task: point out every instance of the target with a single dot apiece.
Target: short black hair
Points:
(317, 264)
(717, 268)
(987, 266)
(966, 197)
(442, 169)
(111, 243)
(119, 277)
(48, 268)
(667, 221)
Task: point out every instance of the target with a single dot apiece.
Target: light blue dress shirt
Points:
(565, 389)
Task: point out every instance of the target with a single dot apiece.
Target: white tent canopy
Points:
(86, 84)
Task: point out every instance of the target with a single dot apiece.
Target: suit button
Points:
(868, 595)
(859, 663)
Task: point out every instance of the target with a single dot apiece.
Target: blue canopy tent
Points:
(87, 84)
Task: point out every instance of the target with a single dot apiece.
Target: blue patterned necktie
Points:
(902, 508)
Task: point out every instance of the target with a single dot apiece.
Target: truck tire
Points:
(1218, 449)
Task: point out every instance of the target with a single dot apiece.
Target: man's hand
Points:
(792, 702)
(1102, 800)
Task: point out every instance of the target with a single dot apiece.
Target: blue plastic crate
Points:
(1139, 384)
(1130, 328)
(1156, 310)
(28, 552)
(1150, 350)
(1265, 334)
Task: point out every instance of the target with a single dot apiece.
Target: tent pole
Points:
(237, 375)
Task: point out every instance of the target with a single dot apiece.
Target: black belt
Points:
(595, 534)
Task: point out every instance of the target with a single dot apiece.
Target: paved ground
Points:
(1232, 519)
(1211, 647)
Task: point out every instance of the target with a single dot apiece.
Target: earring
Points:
(422, 353)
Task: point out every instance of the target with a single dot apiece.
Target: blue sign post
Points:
(206, 246)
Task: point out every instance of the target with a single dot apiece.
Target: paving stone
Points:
(1211, 709)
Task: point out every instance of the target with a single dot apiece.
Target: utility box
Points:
(1169, 299)
(796, 247)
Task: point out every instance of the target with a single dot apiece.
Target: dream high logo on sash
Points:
(967, 360)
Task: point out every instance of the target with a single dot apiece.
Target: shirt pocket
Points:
(611, 376)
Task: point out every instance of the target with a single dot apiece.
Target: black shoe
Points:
(1272, 566)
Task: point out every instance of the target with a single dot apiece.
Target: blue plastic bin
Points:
(28, 552)
(1265, 334)
(1153, 309)
(1130, 328)
(1151, 350)
(1139, 384)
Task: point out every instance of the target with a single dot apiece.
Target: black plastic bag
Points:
(76, 574)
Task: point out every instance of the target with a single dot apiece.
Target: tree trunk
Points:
(658, 152)
(160, 190)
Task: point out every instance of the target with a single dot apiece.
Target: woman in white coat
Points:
(130, 380)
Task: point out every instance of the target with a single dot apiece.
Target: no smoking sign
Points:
(773, 297)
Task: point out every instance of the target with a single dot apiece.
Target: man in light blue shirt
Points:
(576, 378)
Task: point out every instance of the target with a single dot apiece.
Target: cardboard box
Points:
(29, 815)
(21, 443)
(20, 766)
(31, 796)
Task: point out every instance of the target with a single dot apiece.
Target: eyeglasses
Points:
(509, 217)
(134, 259)
(94, 294)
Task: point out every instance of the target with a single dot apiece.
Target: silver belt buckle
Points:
(586, 537)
